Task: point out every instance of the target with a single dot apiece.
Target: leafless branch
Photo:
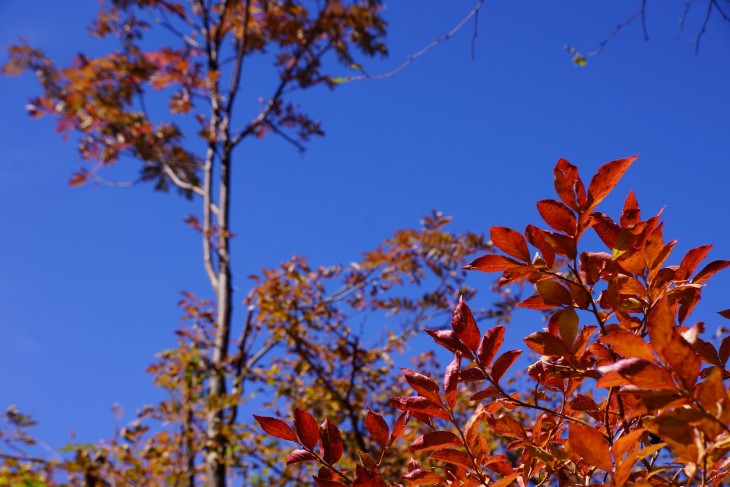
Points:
(115, 184)
(683, 18)
(712, 5)
(473, 14)
(300, 147)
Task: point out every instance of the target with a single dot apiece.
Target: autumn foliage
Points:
(623, 392)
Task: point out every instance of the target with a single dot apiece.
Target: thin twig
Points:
(473, 13)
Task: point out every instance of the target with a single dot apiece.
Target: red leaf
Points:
(568, 185)
(276, 428)
(537, 238)
(449, 340)
(465, 326)
(507, 426)
(434, 441)
(606, 228)
(400, 425)
(558, 216)
(377, 427)
(536, 302)
(489, 346)
(691, 260)
(547, 344)
(78, 179)
(628, 344)
(510, 242)
(637, 372)
(300, 456)
(418, 477)
(367, 478)
(631, 214)
(418, 404)
(709, 270)
(425, 386)
(306, 428)
(454, 457)
(669, 344)
(554, 293)
(591, 445)
(725, 313)
(451, 380)
(562, 244)
(605, 179)
(321, 482)
(492, 263)
(332, 446)
(503, 363)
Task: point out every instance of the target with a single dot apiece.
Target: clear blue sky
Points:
(89, 276)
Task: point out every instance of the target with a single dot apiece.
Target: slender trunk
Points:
(217, 445)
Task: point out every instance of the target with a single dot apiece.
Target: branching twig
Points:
(473, 14)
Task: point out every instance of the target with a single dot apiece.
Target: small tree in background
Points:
(296, 340)
(624, 391)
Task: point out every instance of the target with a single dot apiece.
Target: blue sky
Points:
(89, 276)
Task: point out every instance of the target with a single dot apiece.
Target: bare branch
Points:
(300, 147)
(473, 13)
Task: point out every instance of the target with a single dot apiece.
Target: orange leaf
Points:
(510, 242)
(628, 344)
(605, 179)
(507, 426)
(78, 179)
(591, 445)
(637, 372)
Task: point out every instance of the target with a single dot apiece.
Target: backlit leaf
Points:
(558, 216)
(465, 326)
(591, 445)
(276, 428)
(434, 441)
(503, 363)
(306, 428)
(454, 457)
(377, 427)
(490, 344)
(492, 263)
(510, 242)
(300, 456)
(606, 178)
